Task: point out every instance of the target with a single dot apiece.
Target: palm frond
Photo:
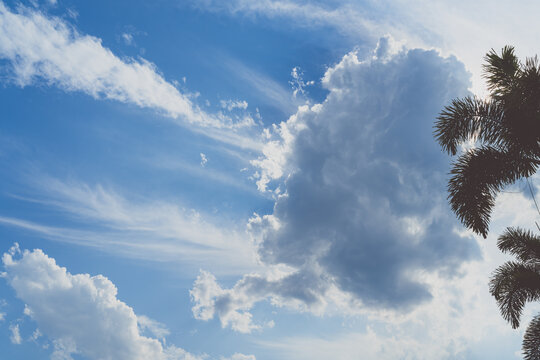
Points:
(477, 176)
(531, 340)
(522, 109)
(469, 118)
(500, 71)
(514, 284)
(521, 243)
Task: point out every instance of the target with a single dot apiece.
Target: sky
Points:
(245, 180)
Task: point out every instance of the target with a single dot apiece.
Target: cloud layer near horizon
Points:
(362, 211)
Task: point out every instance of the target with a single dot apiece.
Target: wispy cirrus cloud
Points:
(270, 90)
(439, 24)
(146, 229)
(342, 15)
(43, 48)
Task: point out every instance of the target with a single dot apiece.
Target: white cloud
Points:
(2, 316)
(128, 38)
(151, 230)
(36, 335)
(48, 48)
(297, 83)
(230, 105)
(156, 328)
(238, 356)
(15, 336)
(43, 48)
(79, 313)
(210, 298)
(204, 160)
(302, 291)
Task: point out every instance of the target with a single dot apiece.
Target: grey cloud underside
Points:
(366, 203)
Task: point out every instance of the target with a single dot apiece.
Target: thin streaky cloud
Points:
(205, 172)
(140, 245)
(42, 48)
(151, 230)
(430, 24)
(345, 17)
(270, 90)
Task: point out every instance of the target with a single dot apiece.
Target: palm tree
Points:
(506, 130)
(517, 282)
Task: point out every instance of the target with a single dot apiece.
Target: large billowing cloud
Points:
(362, 211)
(81, 313)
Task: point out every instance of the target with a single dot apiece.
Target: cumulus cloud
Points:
(461, 318)
(361, 211)
(301, 290)
(80, 313)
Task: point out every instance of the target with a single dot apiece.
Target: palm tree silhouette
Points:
(517, 282)
(506, 130)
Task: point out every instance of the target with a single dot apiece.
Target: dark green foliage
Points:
(506, 129)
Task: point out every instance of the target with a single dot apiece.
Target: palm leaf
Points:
(469, 118)
(477, 176)
(522, 110)
(521, 243)
(514, 284)
(501, 71)
(531, 340)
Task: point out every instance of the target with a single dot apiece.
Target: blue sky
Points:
(244, 180)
